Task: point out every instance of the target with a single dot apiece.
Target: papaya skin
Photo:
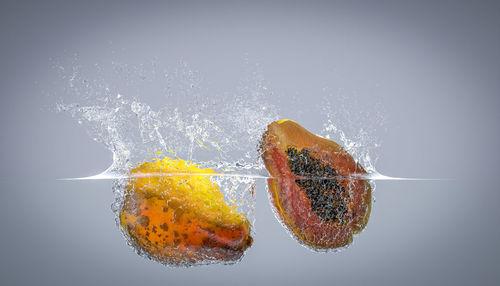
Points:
(293, 204)
(182, 220)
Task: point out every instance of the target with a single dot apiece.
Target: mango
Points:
(176, 215)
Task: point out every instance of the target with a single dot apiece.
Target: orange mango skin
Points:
(290, 202)
(172, 235)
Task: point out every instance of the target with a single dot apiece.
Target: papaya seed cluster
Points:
(329, 198)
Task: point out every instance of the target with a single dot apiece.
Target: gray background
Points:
(433, 65)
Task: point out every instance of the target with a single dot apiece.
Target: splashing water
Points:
(219, 132)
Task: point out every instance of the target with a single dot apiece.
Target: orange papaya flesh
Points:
(182, 220)
(315, 190)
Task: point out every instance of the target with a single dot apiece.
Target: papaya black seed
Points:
(328, 197)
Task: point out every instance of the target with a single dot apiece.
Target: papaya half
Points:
(316, 188)
(180, 218)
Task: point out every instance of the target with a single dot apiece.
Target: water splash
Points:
(217, 131)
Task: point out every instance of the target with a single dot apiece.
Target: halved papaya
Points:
(317, 188)
(178, 217)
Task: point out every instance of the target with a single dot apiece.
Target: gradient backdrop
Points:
(434, 66)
